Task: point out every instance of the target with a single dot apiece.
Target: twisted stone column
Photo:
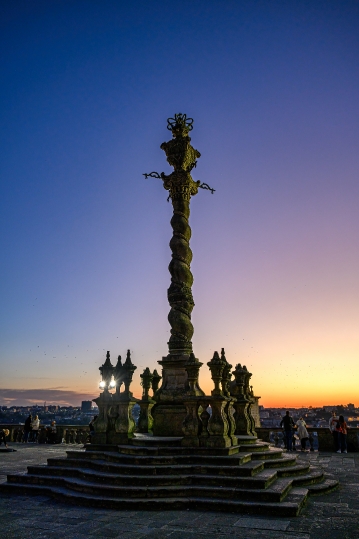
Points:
(179, 293)
(169, 412)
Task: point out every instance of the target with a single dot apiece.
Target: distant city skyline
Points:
(87, 88)
(28, 398)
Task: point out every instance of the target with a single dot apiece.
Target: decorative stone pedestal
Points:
(168, 419)
(124, 425)
(115, 424)
(180, 380)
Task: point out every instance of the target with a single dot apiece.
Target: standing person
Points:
(302, 432)
(342, 435)
(35, 423)
(53, 432)
(92, 427)
(288, 425)
(332, 427)
(3, 434)
(27, 428)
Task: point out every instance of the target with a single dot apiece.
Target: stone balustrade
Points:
(69, 434)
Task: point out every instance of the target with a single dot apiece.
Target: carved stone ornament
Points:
(216, 366)
(115, 423)
(192, 367)
(156, 378)
(146, 379)
(106, 371)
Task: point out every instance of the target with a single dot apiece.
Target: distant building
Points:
(330, 408)
(53, 408)
(86, 406)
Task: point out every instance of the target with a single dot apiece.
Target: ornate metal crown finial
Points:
(180, 125)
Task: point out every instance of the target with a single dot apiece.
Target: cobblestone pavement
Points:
(332, 516)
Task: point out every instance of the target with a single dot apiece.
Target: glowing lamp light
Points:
(112, 383)
(102, 384)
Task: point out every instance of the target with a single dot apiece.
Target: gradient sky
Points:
(86, 89)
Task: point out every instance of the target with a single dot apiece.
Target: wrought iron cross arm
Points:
(206, 186)
(153, 175)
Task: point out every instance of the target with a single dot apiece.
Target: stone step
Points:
(101, 447)
(254, 446)
(156, 441)
(130, 449)
(248, 469)
(297, 469)
(245, 470)
(274, 493)
(261, 481)
(247, 439)
(271, 453)
(290, 507)
(324, 487)
(283, 461)
(214, 460)
(314, 476)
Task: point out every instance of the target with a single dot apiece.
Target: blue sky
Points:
(273, 90)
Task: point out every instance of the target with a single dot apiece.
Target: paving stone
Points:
(263, 524)
(156, 534)
(334, 534)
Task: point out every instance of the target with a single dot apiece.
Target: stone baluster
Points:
(124, 423)
(218, 426)
(191, 423)
(230, 411)
(204, 417)
(145, 420)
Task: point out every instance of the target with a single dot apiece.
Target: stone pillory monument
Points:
(188, 450)
(179, 407)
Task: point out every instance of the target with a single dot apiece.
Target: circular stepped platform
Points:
(159, 474)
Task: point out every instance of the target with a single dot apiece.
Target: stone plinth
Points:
(168, 419)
